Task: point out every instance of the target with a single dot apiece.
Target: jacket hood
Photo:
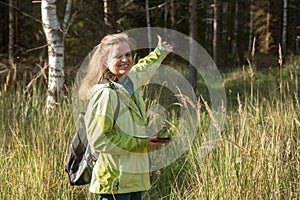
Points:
(101, 86)
(96, 88)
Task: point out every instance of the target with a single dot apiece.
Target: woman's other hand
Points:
(155, 143)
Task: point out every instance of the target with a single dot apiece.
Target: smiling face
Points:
(119, 61)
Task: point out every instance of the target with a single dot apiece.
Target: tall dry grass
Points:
(33, 146)
(257, 156)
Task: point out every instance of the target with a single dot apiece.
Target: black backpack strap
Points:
(112, 86)
(117, 109)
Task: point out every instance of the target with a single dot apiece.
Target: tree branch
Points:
(24, 13)
(67, 16)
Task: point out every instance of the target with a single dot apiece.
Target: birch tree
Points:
(216, 30)
(105, 4)
(284, 27)
(54, 31)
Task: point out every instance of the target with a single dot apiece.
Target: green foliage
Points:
(87, 27)
(85, 32)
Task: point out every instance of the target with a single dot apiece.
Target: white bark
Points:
(54, 32)
(105, 11)
(284, 26)
(67, 16)
(215, 27)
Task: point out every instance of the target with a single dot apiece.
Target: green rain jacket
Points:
(123, 162)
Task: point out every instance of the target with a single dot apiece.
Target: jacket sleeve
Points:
(100, 129)
(146, 67)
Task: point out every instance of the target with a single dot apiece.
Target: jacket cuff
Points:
(161, 49)
(143, 143)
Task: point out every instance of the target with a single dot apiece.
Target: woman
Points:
(115, 118)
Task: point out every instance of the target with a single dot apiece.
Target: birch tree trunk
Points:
(54, 32)
(284, 27)
(216, 30)
(11, 30)
(193, 35)
(105, 4)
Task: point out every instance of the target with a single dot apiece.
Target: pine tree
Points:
(193, 35)
(262, 26)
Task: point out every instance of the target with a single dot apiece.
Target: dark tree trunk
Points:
(102, 30)
(193, 35)
(11, 26)
(284, 26)
(113, 14)
(4, 27)
(241, 35)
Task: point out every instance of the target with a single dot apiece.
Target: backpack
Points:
(80, 160)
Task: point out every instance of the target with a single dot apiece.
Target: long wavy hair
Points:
(96, 69)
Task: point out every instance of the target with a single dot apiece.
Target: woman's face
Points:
(119, 61)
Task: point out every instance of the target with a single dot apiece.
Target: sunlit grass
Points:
(257, 156)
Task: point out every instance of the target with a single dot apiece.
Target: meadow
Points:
(256, 157)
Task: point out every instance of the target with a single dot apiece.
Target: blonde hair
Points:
(96, 70)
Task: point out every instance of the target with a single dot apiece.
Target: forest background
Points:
(255, 44)
(238, 22)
